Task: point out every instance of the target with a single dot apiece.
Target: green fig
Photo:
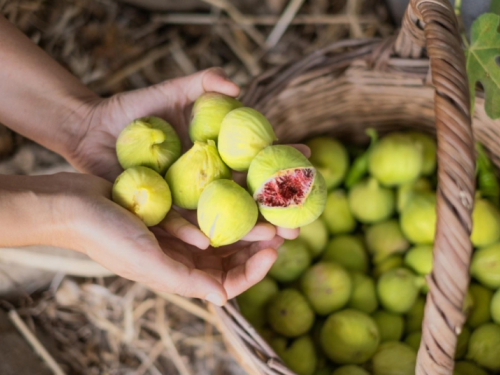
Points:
(349, 337)
(468, 368)
(415, 316)
(330, 158)
(480, 312)
(413, 340)
(429, 146)
(290, 192)
(315, 236)
(143, 192)
(394, 261)
(337, 214)
(364, 294)
(244, 132)
(418, 219)
(394, 358)
(252, 302)
(396, 159)
(495, 307)
(390, 326)
(299, 355)
(419, 259)
(327, 286)
(398, 290)
(208, 112)
(406, 191)
(226, 212)
(348, 251)
(289, 313)
(148, 142)
(483, 346)
(350, 370)
(485, 266)
(462, 343)
(485, 223)
(384, 239)
(193, 171)
(468, 304)
(369, 202)
(293, 259)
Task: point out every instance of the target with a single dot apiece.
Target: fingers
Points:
(209, 80)
(288, 234)
(261, 232)
(177, 226)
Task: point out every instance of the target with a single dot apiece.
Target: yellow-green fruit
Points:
(252, 302)
(384, 239)
(149, 142)
(429, 147)
(299, 355)
(364, 294)
(289, 190)
(485, 223)
(481, 310)
(350, 370)
(369, 202)
(315, 236)
(143, 192)
(483, 346)
(194, 170)
(413, 340)
(348, 251)
(485, 266)
(208, 112)
(330, 158)
(293, 259)
(349, 337)
(226, 212)
(462, 343)
(406, 191)
(418, 219)
(419, 259)
(327, 286)
(398, 290)
(495, 307)
(394, 358)
(337, 214)
(390, 326)
(289, 313)
(468, 368)
(468, 304)
(394, 261)
(415, 316)
(396, 159)
(244, 132)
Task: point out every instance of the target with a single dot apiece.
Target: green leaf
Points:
(482, 57)
(495, 7)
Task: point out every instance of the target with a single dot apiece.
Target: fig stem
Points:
(157, 136)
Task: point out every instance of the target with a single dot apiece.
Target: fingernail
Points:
(216, 299)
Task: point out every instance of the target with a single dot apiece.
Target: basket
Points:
(414, 80)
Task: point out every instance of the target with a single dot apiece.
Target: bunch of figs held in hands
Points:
(282, 184)
(347, 296)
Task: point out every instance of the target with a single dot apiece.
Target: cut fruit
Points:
(286, 188)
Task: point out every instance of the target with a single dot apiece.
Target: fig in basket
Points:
(350, 370)
(462, 343)
(364, 294)
(495, 307)
(299, 355)
(348, 251)
(150, 142)
(370, 203)
(253, 301)
(419, 259)
(485, 223)
(429, 147)
(483, 346)
(337, 214)
(226, 212)
(415, 316)
(349, 337)
(418, 219)
(315, 236)
(468, 368)
(293, 259)
(390, 326)
(485, 266)
(406, 191)
(480, 312)
(244, 132)
(384, 239)
(394, 358)
(143, 192)
(290, 192)
(194, 170)
(398, 290)
(389, 263)
(208, 112)
(413, 340)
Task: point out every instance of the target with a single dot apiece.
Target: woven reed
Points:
(416, 80)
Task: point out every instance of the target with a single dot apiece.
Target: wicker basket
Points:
(387, 84)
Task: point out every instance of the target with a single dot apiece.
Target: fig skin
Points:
(462, 343)
(418, 219)
(337, 214)
(398, 290)
(315, 236)
(384, 239)
(485, 223)
(348, 251)
(429, 150)
(389, 263)
(390, 326)
(394, 358)
(193, 171)
(252, 302)
(406, 191)
(415, 316)
(413, 340)
(330, 158)
(350, 370)
(468, 368)
(244, 132)
(293, 259)
(207, 114)
(299, 355)
(419, 259)
(143, 192)
(495, 307)
(483, 346)
(271, 163)
(364, 294)
(149, 142)
(370, 203)
(226, 212)
(481, 311)
(485, 266)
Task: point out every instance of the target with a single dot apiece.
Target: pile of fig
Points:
(282, 184)
(347, 296)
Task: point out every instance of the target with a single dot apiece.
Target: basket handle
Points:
(433, 23)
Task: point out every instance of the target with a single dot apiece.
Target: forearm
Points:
(38, 97)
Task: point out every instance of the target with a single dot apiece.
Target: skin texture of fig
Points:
(393, 261)
(413, 340)
(390, 326)
(364, 294)
(337, 214)
(394, 358)
(293, 259)
(226, 212)
(299, 355)
(350, 370)
(208, 112)
(429, 146)
(406, 191)
(149, 142)
(288, 189)
(419, 259)
(384, 239)
(370, 203)
(315, 236)
(481, 310)
(348, 251)
(252, 302)
(397, 290)
(483, 346)
(330, 158)
(485, 223)
(468, 368)
(194, 170)
(418, 219)
(244, 132)
(485, 266)
(143, 192)
(414, 317)
(349, 337)
(327, 286)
